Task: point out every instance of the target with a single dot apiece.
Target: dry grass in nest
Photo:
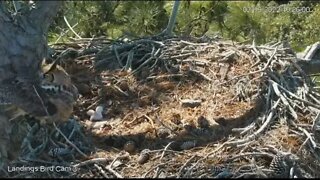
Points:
(231, 122)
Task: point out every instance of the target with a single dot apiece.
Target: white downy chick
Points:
(95, 115)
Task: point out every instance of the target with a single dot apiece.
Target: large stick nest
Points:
(185, 107)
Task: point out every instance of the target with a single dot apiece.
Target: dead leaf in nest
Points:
(188, 125)
(123, 85)
(136, 120)
(105, 128)
(161, 98)
(143, 90)
(83, 88)
(165, 86)
(123, 73)
(176, 119)
(144, 73)
(294, 143)
(163, 132)
(185, 67)
(110, 90)
(144, 101)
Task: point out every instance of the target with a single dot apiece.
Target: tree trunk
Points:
(23, 46)
(309, 60)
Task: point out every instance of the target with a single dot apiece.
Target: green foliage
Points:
(141, 17)
(217, 13)
(309, 31)
(15, 7)
(241, 24)
(191, 18)
(265, 21)
(112, 18)
(90, 16)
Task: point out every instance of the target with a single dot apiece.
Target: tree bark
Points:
(23, 46)
(44, 13)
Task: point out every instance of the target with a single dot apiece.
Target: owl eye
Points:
(48, 77)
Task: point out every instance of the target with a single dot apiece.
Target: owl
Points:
(48, 96)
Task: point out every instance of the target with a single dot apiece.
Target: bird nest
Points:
(184, 107)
